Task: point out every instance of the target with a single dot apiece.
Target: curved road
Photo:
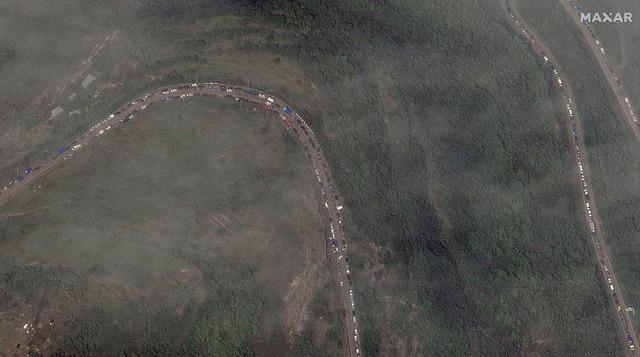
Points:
(588, 197)
(289, 118)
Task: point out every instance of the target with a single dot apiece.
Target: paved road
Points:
(287, 116)
(592, 218)
(607, 67)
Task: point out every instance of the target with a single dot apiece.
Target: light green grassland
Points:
(190, 207)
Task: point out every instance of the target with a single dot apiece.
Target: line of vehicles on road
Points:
(588, 204)
(288, 117)
(609, 63)
(338, 245)
(583, 179)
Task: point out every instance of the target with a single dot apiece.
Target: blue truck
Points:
(287, 110)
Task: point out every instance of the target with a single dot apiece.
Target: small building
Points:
(55, 112)
(90, 78)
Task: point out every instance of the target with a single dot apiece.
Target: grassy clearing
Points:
(178, 234)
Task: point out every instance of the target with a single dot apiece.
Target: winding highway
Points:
(285, 114)
(592, 218)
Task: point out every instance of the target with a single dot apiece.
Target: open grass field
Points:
(461, 199)
(193, 230)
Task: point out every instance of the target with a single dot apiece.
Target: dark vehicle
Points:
(287, 110)
(19, 178)
(28, 170)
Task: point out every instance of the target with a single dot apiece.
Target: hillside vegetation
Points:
(453, 163)
(612, 147)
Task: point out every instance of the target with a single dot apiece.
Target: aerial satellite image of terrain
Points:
(319, 178)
